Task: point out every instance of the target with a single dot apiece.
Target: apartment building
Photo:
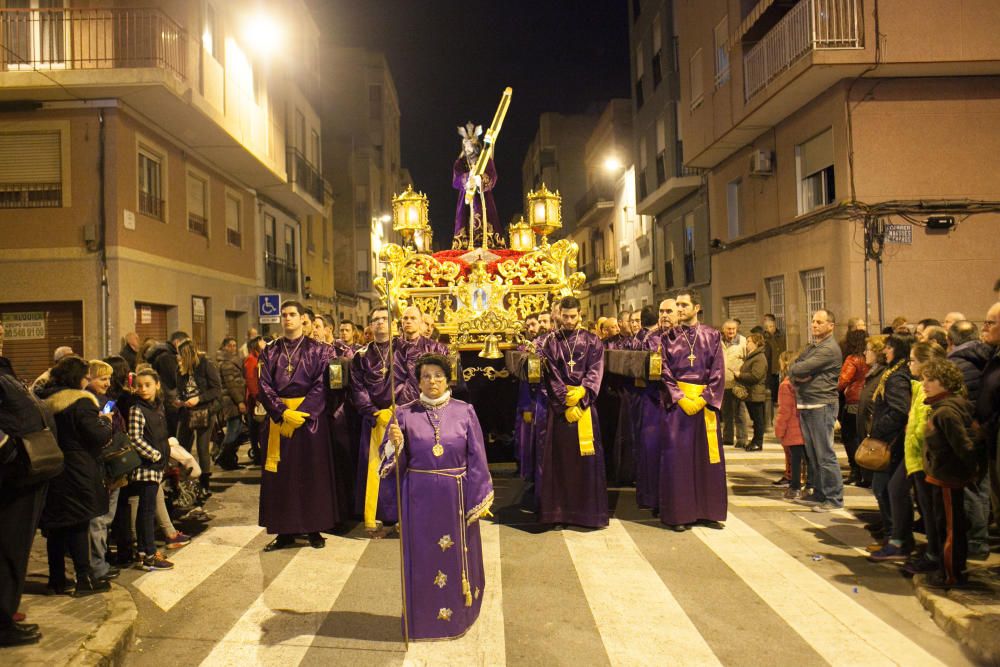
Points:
(361, 130)
(143, 153)
(851, 154)
(668, 192)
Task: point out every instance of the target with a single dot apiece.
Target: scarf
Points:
(429, 402)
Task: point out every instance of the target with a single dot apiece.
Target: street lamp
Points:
(544, 212)
(522, 238)
(612, 164)
(409, 213)
(263, 33)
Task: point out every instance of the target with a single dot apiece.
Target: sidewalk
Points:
(970, 615)
(89, 631)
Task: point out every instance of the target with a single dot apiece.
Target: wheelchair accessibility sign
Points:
(269, 308)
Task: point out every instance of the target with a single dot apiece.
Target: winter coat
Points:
(988, 403)
(950, 455)
(774, 345)
(916, 425)
(734, 353)
(19, 415)
(252, 376)
(971, 358)
(891, 409)
(163, 358)
(786, 419)
(865, 398)
(852, 378)
(129, 355)
(234, 386)
(78, 493)
(206, 377)
(815, 373)
(753, 376)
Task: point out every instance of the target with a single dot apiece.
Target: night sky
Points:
(451, 61)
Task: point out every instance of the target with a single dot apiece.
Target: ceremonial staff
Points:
(399, 496)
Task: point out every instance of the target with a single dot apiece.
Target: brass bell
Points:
(491, 350)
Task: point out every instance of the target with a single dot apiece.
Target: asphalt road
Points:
(780, 585)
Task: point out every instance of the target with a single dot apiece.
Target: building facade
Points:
(138, 163)
(671, 194)
(361, 129)
(832, 153)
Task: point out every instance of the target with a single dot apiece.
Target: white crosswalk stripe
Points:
(195, 563)
(618, 580)
(839, 629)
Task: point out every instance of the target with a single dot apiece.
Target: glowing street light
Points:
(263, 33)
(612, 164)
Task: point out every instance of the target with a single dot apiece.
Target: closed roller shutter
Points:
(33, 331)
(30, 158)
(151, 321)
(744, 309)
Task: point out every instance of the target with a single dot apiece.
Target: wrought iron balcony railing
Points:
(304, 174)
(77, 38)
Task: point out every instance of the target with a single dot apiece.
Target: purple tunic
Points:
(649, 433)
(691, 487)
(444, 493)
(572, 488)
(301, 496)
(371, 392)
(459, 177)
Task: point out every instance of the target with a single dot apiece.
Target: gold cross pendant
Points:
(290, 368)
(385, 371)
(691, 358)
(571, 363)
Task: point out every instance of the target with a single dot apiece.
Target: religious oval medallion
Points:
(438, 450)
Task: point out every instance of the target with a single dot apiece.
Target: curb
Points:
(979, 633)
(108, 645)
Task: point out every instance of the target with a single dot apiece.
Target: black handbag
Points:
(42, 459)
(198, 418)
(119, 457)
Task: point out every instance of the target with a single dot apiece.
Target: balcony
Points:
(280, 274)
(599, 196)
(146, 57)
(601, 273)
(302, 174)
(670, 188)
(811, 25)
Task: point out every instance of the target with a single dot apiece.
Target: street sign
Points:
(269, 308)
(896, 233)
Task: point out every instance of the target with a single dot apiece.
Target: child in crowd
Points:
(787, 429)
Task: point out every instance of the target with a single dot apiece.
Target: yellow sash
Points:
(585, 426)
(382, 419)
(274, 436)
(693, 391)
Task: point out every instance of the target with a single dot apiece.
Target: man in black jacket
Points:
(988, 402)
(20, 506)
(163, 358)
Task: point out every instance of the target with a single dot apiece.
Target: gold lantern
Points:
(544, 212)
(409, 213)
(522, 238)
(424, 240)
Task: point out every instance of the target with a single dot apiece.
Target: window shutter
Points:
(817, 153)
(30, 158)
(196, 196)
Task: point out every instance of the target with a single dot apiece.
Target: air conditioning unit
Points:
(761, 163)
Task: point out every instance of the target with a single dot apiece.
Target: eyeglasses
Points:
(989, 323)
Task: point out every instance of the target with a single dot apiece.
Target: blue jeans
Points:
(817, 431)
(145, 522)
(99, 537)
(977, 509)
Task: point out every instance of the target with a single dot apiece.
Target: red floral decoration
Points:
(455, 257)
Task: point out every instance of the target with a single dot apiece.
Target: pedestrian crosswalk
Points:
(768, 589)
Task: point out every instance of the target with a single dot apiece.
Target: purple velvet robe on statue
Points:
(572, 488)
(370, 392)
(459, 177)
(301, 496)
(691, 487)
(443, 496)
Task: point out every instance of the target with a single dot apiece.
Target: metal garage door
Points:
(151, 321)
(33, 330)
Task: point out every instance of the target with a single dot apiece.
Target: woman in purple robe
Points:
(437, 444)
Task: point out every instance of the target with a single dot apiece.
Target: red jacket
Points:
(786, 420)
(852, 378)
(252, 376)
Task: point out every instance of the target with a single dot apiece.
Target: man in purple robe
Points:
(409, 346)
(298, 483)
(471, 147)
(572, 487)
(371, 397)
(652, 417)
(446, 488)
(524, 418)
(692, 468)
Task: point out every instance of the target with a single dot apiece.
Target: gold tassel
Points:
(467, 590)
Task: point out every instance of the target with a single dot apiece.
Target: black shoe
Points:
(679, 527)
(280, 542)
(227, 465)
(863, 484)
(316, 541)
(708, 523)
(62, 588)
(87, 585)
(19, 634)
(112, 573)
(754, 448)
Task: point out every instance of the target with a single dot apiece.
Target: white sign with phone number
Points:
(23, 326)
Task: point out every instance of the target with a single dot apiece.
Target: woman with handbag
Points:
(890, 409)
(199, 387)
(752, 376)
(78, 494)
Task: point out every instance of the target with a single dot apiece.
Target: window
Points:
(316, 150)
(697, 89)
(657, 51)
(210, 36)
(640, 66)
(30, 170)
(197, 204)
(661, 151)
(151, 184)
(776, 297)
(733, 208)
(326, 240)
(310, 244)
(234, 224)
(722, 52)
(814, 289)
(688, 248)
(300, 131)
(199, 321)
(636, 10)
(270, 235)
(814, 171)
(290, 250)
(375, 102)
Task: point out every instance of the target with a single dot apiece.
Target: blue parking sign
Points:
(269, 308)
